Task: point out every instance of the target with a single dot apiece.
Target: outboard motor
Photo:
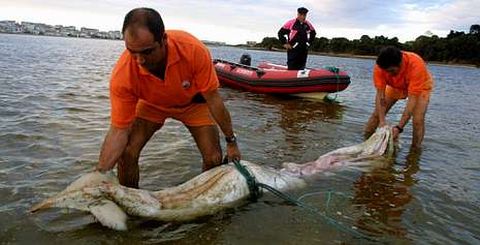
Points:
(246, 59)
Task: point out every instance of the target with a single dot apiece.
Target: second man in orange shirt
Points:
(401, 75)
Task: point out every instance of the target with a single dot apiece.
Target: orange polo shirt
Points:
(189, 71)
(413, 77)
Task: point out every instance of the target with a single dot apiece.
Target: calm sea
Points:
(54, 113)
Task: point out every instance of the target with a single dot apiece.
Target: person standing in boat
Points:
(401, 75)
(162, 74)
(301, 34)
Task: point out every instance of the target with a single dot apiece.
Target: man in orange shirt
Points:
(162, 74)
(400, 75)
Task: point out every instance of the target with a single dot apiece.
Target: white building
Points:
(9, 26)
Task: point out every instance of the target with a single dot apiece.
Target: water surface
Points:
(54, 113)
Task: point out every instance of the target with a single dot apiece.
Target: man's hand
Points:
(99, 168)
(396, 131)
(395, 134)
(233, 153)
(287, 46)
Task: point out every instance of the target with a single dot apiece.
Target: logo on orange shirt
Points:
(186, 84)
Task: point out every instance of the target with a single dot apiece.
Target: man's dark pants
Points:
(297, 58)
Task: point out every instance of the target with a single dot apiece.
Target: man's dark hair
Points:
(302, 10)
(389, 56)
(145, 17)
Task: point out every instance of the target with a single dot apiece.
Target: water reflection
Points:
(384, 193)
(298, 115)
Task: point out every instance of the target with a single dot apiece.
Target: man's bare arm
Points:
(113, 146)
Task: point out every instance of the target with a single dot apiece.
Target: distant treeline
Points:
(458, 47)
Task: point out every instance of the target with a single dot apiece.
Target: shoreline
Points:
(339, 55)
(35, 35)
(371, 57)
(356, 56)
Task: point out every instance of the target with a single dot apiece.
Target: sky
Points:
(235, 21)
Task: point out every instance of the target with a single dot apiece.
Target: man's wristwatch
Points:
(231, 139)
(400, 129)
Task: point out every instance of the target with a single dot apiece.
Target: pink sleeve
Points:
(289, 24)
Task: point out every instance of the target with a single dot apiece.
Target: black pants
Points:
(297, 58)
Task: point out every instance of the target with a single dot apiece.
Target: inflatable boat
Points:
(270, 78)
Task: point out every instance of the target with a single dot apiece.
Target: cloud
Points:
(236, 21)
(447, 15)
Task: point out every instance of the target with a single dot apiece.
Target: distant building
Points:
(251, 43)
(7, 23)
(70, 28)
(214, 43)
(115, 35)
(87, 32)
(31, 28)
(70, 31)
(10, 26)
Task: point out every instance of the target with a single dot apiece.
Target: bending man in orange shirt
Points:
(400, 75)
(162, 74)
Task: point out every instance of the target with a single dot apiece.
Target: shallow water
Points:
(54, 113)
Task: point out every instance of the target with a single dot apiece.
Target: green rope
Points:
(328, 195)
(251, 181)
(255, 193)
(334, 70)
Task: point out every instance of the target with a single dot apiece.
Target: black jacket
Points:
(297, 32)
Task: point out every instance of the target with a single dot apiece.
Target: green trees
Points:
(457, 47)
(475, 29)
(270, 42)
(321, 44)
(340, 45)
(365, 45)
